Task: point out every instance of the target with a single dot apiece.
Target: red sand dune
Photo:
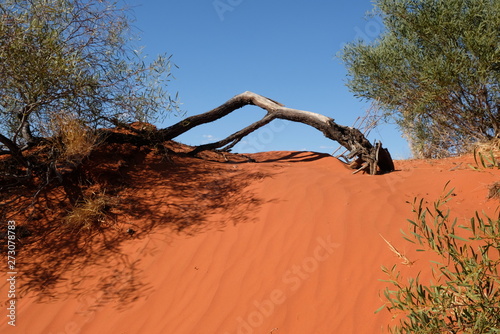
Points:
(289, 245)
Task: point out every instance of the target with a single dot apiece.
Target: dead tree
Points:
(373, 158)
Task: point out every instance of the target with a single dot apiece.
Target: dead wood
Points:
(376, 159)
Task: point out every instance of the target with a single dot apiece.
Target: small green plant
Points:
(486, 155)
(464, 296)
(485, 159)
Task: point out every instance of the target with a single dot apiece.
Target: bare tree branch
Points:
(14, 150)
(349, 137)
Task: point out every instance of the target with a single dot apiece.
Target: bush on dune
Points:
(464, 296)
(435, 70)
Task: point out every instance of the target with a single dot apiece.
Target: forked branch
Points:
(375, 158)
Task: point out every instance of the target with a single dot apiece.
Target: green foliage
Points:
(74, 57)
(435, 69)
(465, 294)
(486, 155)
(486, 160)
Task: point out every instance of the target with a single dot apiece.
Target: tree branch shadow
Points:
(192, 197)
(186, 197)
(299, 156)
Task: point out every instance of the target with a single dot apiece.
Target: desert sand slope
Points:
(289, 245)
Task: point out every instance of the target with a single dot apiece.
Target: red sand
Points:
(289, 245)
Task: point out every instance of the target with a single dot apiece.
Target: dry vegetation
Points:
(491, 146)
(91, 212)
(494, 190)
(72, 140)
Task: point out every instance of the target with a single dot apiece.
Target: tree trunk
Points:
(25, 128)
(376, 159)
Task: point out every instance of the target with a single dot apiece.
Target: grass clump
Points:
(72, 140)
(92, 212)
(464, 297)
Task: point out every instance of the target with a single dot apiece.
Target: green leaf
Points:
(412, 222)
(448, 194)
(409, 240)
(457, 237)
(379, 309)
(483, 163)
(438, 263)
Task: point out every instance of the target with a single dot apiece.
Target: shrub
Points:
(435, 69)
(465, 296)
(75, 56)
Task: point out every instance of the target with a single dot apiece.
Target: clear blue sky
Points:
(285, 50)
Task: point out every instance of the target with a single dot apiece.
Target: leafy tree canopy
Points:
(73, 57)
(435, 70)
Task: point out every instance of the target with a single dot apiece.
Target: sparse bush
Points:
(91, 212)
(465, 294)
(435, 69)
(78, 57)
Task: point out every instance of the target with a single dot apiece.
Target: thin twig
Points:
(393, 249)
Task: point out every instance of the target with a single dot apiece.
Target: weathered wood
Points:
(377, 158)
(13, 150)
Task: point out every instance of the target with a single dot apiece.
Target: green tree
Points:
(435, 69)
(73, 57)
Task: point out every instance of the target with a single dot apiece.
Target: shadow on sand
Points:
(184, 195)
(300, 156)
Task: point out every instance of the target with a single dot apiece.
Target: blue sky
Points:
(285, 50)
